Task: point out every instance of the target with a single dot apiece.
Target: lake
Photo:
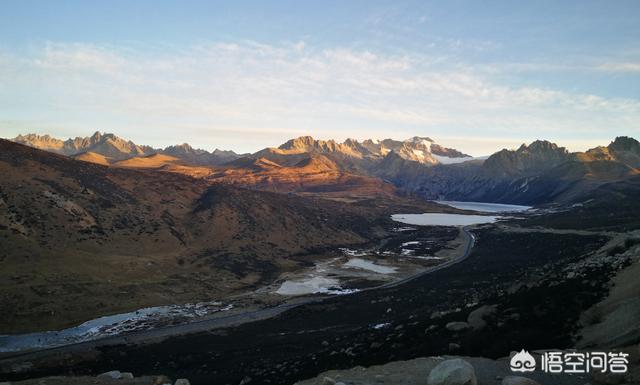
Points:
(485, 207)
(440, 219)
(443, 219)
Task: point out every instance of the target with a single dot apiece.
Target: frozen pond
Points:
(331, 277)
(486, 207)
(440, 219)
(312, 285)
(359, 263)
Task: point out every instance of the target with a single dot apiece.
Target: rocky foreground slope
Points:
(453, 370)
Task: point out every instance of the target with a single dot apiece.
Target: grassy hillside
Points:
(81, 240)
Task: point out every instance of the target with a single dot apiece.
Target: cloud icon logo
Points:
(522, 362)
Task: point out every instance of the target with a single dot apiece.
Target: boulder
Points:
(328, 381)
(457, 326)
(453, 347)
(517, 380)
(453, 372)
(161, 380)
(476, 318)
(182, 381)
(126, 376)
(114, 374)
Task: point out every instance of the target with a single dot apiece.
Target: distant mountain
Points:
(350, 154)
(623, 149)
(200, 157)
(305, 164)
(419, 149)
(540, 172)
(527, 160)
(109, 148)
(107, 145)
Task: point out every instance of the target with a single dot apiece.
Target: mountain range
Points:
(541, 172)
(113, 149)
(110, 148)
(538, 173)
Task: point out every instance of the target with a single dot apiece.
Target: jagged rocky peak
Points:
(184, 149)
(220, 152)
(626, 150)
(309, 144)
(43, 142)
(115, 148)
(353, 143)
(625, 143)
(199, 156)
(299, 143)
(35, 137)
(102, 143)
(426, 151)
(537, 156)
(418, 149)
(420, 140)
(542, 146)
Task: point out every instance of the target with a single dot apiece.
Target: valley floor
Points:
(520, 287)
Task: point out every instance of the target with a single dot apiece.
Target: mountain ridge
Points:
(115, 149)
(538, 172)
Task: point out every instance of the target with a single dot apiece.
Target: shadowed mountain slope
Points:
(538, 173)
(305, 172)
(115, 239)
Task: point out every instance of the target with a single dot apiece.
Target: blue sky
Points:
(475, 75)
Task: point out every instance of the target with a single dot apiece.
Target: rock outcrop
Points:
(447, 370)
(453, 372)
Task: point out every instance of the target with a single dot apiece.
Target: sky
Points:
(478, 76)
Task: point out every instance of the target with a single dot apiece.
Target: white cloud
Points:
(620, 67)
(292, 86)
